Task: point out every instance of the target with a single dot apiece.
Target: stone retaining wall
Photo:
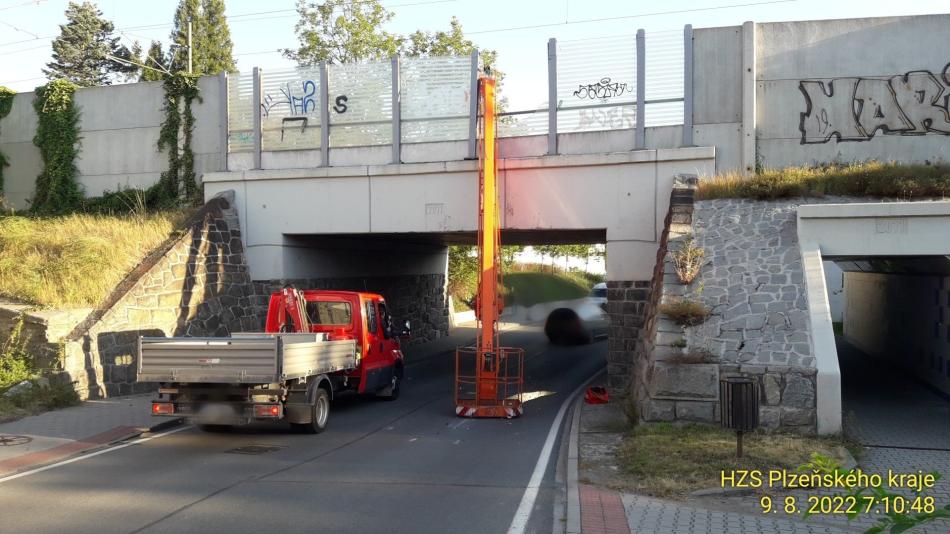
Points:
(751, 281)
(43, 330)
(195, 284)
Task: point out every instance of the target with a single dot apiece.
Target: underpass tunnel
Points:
(409, 269)
(892, 326)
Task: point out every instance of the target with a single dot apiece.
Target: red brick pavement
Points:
(61, 452)
(602, 511)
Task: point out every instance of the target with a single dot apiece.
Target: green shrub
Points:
(16, 362)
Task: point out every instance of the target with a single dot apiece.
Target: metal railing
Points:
(619, 83)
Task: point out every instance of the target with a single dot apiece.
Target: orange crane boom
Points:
(489, 378)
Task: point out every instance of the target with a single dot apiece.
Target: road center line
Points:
(90, 455)
(523, 514)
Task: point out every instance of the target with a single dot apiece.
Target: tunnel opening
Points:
(422, 279)
(892, 334)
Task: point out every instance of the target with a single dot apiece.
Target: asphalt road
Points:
(405, 466)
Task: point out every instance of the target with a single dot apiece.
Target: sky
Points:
(517, 29)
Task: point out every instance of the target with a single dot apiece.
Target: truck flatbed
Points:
(247, 358)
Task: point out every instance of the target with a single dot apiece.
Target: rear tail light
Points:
(163, 408)
(267, 410)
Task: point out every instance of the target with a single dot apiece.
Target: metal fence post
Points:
(473, 110)
(641, 141)
(324, 115)
(552, 96)
(223, 110)
(397, 113)
(688, 85)
(256, 99)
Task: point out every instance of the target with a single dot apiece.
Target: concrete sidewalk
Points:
(51, 436)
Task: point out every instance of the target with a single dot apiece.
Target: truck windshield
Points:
(329, 312)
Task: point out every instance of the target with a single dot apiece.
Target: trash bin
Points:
(739, 406)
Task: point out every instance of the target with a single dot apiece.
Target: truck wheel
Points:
(391, 392)
(319, 414)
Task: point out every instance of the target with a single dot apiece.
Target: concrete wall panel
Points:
(717, 75)
(727, 138)
(23, 157)
(440, 202)
(818, 100)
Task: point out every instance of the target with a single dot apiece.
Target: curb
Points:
(573, 491)
(164, 425)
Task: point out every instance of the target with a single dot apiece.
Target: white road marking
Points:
(523, 514)
(90, 455)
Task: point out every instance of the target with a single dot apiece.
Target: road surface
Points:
(405, 466)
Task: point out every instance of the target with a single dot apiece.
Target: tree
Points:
(342, 31)
(157, 62)
(447, 43)
(211, 45)
(81, 52)
(217, 55)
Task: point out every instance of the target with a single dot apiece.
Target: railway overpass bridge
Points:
(387, 227)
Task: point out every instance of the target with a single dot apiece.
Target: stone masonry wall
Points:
(195, 284)
(752, 283)
(43, 331)
(420, 299)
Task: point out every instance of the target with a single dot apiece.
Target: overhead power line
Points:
(240, 17)
(624, 17)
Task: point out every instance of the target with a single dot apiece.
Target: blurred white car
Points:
(598, 295)
(582, 321)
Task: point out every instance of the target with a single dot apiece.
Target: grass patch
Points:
(869, 179)
(75, 260)
(529, 288)
(671, 461)
(685, 312)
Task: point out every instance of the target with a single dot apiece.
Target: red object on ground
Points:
(597, 395)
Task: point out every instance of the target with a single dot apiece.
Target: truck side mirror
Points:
(406, 330)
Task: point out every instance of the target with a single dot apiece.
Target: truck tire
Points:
(319, 414)
(391, 392)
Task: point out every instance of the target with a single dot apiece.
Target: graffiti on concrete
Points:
(855, 109)
(603, 89)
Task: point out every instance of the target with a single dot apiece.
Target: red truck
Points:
(315, 344)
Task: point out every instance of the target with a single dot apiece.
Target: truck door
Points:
(390, 339)
(376, 372)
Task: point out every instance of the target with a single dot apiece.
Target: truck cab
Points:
(363, 317)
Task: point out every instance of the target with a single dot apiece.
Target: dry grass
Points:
(687, 261)
(671, 461)
(692, 357)
(869, 179)
(685, 312)
(75, 260)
